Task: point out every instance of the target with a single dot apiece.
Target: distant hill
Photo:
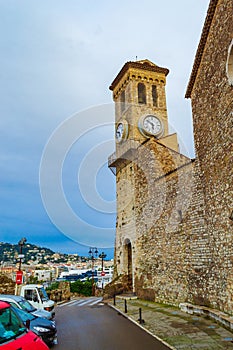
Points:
(9, 253)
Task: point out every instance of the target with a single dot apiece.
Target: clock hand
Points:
(148, 122)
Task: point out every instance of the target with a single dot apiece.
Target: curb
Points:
(144, 329)
(216, 315)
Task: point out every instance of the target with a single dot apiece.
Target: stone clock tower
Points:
(140, 119)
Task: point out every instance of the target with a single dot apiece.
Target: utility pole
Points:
(21, 256)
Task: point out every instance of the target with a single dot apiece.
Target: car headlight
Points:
(41, 329)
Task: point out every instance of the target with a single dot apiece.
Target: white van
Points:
(37, 296)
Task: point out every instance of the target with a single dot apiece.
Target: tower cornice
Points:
(143, 65)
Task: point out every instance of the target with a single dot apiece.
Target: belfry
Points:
(141, 133)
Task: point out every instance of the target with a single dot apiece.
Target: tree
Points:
(83, 288)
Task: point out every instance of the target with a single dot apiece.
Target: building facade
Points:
(211, 92)
(174, 214)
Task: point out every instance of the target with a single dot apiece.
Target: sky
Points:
(58, 59)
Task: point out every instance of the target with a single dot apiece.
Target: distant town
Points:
(34, 254)
(40, 264)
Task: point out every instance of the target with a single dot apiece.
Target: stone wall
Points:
(169, 264)
(212, 106)
(61, 293)
(174, 211)
(7, 286)
(186, 252)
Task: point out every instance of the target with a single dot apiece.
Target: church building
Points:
(175, 214)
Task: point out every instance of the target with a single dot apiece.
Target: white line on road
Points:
(82, 302)
(96, 301)
(69, 303)
(88, 301)
(77, 302)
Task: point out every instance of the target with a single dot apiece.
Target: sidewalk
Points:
(175, 327)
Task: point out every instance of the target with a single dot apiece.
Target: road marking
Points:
(77, 302)
(82, 302)
(66, 304)
(69, 303)
(96, 301)
(86, 302)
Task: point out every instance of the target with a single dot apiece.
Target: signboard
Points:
(21, 256)
(19, 277)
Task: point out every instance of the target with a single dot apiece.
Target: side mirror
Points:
(28, 324)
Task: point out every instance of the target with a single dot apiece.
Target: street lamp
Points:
(21, 243)
(93, 252)
(102, 256)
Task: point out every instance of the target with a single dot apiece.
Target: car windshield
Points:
(26, 306)
(10, 325)
(43, 294)
(24, 315)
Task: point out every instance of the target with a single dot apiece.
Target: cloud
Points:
(58, 58)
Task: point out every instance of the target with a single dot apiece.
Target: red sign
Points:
(19, 277)
(102, 273)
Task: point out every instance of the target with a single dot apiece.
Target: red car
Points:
(13, 334)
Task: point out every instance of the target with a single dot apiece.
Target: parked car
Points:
(23, 304)
(46, 329)
(13, 334)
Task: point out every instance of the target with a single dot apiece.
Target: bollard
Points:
(141, 321)
(125, 306)
(114, 299)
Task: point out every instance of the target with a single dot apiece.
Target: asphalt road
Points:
(86, 325)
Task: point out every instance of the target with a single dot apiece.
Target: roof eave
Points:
(201, 46)
(137, 65)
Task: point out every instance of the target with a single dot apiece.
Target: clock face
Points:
(121, 131)
(150, 125)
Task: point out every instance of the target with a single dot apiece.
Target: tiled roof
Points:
(201, 46)
(144, 65)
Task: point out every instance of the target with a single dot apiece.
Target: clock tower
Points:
(140, 116)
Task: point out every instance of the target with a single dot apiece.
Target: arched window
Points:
(123, 101)
(141, 93)
(127, 260)
(229, 65)
(154, 95)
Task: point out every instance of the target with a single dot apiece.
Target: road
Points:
(89, 324)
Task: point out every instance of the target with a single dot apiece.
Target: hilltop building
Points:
(174, 214)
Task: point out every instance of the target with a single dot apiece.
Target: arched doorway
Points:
(128, 262)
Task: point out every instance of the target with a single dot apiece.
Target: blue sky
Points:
(57, 61)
